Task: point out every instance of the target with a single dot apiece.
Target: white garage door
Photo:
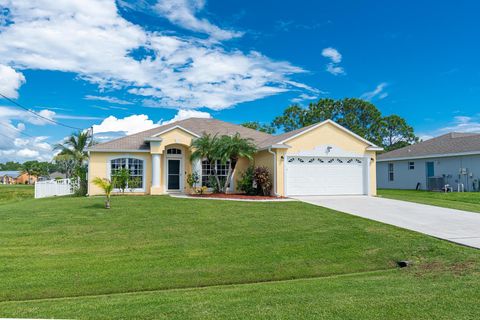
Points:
(325, 176)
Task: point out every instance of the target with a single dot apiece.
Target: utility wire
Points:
(38, 115)
(15, 128)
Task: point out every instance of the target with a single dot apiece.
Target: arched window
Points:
(174, 151)
(135, 168)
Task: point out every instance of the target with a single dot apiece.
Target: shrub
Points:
(79, 181)
(201, 190)
(246, 182)
(262, 179)
(193, 179)
(121, 178)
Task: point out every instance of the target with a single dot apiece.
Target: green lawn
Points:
(469, 201)
(15, 192)
(161, 257)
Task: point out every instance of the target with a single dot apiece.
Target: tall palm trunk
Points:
(231, 168)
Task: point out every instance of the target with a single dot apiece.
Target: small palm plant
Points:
(107, 187)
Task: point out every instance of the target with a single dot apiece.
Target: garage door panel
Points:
(324, 176)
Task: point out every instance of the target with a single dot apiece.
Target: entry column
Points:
(155, 189)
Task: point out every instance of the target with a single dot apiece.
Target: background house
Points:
(453, 159)
(16, 177)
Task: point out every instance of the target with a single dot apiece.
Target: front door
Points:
(430, 169)
(173, 179)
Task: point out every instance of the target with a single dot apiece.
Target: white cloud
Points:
(303, 97)
(335, 58)
(90, 38)
(14, 147)
(185, 114)
(107, 99)
(182, 13)
(332, 54)
(128, 125)
(379, 92)
(463, 124)
(334, 69)
(28, 153)
(10, 81)
(469, 124)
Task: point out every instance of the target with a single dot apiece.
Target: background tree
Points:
(396, 133)
(262, 127)
(75, 148)
(30, 168)
(65, 164)
(10, 166)
(293, 118)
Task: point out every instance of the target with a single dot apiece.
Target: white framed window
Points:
(174, 151)
(391, 174)
(207, 172)
(135, 168)
(411, 165)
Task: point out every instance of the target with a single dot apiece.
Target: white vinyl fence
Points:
(51, 188)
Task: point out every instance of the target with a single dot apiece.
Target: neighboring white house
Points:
(452, 159)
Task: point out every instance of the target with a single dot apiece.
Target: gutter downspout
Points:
(274, 170)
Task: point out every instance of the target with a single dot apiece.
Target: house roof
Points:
(199, 126)
(450, 144)
(12, 174)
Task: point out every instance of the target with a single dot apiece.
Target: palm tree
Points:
(226, 149)
(232, 148)
(206, 147)
(75, 146)
(107, 187)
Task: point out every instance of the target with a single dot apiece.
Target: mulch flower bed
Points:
(234, 196)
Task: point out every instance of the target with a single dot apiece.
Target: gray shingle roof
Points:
(195, 125)
(450, 143)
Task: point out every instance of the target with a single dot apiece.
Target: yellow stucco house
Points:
(321, 159)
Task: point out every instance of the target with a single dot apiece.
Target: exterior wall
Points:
(100, 161)
(176, 136)
(327, 134)
(242, 165)
(265, 159)
(447, 167)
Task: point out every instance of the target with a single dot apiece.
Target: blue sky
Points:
(126, 66)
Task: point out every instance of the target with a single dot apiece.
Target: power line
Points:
(38, 115)
(15, 128)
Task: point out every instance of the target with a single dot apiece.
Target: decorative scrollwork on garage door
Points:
(314, 160)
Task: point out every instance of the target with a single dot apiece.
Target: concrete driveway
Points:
(453, 225)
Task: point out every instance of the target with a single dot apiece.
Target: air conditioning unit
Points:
(436, 183)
